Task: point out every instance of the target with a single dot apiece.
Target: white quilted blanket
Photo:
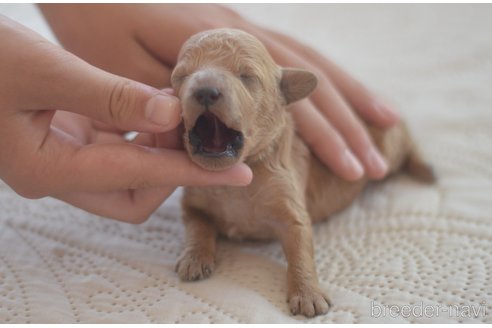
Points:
(404, 252)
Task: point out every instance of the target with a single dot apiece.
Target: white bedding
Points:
(401, 244)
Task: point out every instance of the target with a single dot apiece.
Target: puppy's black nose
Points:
(207, 96)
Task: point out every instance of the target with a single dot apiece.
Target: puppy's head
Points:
(233, 96)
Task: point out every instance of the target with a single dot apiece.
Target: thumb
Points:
(53, 78)
(118, 101)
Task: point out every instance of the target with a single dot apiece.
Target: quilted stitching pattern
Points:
(401, 243)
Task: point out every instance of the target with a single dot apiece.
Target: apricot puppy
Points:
(234, 100)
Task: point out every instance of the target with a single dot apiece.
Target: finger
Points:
(115, 48)
(138, 63)
(132, 206)
(82, 129)
(145, 139)
(325, 141)
(352, 129)
(373, 109)
(50, 77)
(100, 126)
(167, 52)
(106, 137)
(170, 140)
(114, 100)
(76, 125)
(369, 106)
(126, 166)
(65, 166)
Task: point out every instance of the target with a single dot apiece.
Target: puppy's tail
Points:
(418, 168)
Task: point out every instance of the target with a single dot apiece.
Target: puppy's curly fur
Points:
(235, 101)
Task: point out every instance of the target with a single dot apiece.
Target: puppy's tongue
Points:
(215, 136)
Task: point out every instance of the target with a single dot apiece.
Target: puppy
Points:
(234, 100)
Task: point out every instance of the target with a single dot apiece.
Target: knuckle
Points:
(137, 214)
(33, 189)
(130, 216)
(29, 192)
(33, 184)
(122, 101)
(361, 139)
(138, 218)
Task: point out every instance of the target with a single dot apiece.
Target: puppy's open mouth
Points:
(211, 137)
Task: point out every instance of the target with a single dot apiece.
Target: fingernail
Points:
(169, 91)
(244, 175)
(376, 162)
(353, 163)
(161, 109)
(385, 111)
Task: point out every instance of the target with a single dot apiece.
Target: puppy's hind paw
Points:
(195, 265)
(310, 302)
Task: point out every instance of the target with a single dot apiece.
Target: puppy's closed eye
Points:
(248, 78)
(178, 79)
(178, 76)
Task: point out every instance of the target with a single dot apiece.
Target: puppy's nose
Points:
(207, 96)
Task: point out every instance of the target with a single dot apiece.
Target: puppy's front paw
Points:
(309, 301)
(195, 264)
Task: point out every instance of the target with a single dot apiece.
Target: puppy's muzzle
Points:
(210, 137)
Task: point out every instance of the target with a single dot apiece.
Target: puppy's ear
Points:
(297, 84)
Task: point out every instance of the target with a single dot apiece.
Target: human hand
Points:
(45, 152)
(330, 119)
(142, 42)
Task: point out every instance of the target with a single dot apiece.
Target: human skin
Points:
(50, 144)
(142, 42)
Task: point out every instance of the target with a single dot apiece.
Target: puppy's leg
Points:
(303, 295)
(198, 258)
